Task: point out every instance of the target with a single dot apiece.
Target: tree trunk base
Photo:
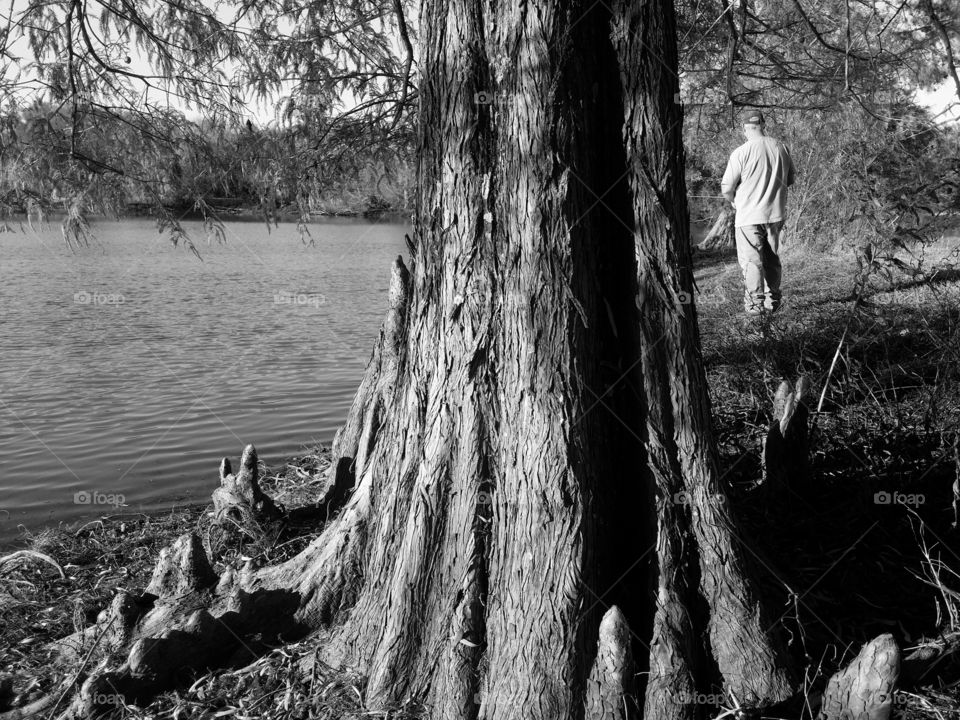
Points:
(722, 235)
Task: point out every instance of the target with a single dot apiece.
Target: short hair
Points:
(754, 117)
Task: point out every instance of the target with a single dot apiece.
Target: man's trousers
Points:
(757, 252)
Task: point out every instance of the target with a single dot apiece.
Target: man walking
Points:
(755, 182)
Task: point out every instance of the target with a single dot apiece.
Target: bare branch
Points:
(945, 39)
(408, 62)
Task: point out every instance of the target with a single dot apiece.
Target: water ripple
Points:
(130, 367)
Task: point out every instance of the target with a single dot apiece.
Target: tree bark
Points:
(239, 505)
(500, 461)
(722, 233)
(744, 640)
(786, 454)
(864, 690)
(536, 511)
(610, 694)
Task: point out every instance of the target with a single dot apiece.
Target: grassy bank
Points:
(344, 205)
(879, 343)
(869, 544)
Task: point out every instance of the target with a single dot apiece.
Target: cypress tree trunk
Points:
(501, 479)
(742, 636)
(536, 514)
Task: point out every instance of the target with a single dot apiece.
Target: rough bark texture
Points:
(744, 640)
(786, 455)
(864, 690)
(239, 502)
(181, 568)
(610, 693)
(722, 233)
(491, 482)
(530, 445)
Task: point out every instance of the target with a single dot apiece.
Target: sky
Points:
(942, 102)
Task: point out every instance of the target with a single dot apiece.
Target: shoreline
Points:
(282, 479)
(236, 211)
(282, 214)
(72, 571)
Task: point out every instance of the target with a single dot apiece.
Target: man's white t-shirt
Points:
(760, 171)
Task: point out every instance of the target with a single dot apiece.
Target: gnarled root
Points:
(609, 694)
(186, 622)
(355, 440)
(181, 569)
(239, 502)
(785, 449)
(864, 690)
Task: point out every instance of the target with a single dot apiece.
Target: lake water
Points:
(130, 367)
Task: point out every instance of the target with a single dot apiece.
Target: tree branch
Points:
(408, 62)
(732, 39)
(945, 39)
(820, 38)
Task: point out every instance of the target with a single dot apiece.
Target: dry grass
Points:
(299, 483)
(286, 683)
(881, 344)
(38, 605)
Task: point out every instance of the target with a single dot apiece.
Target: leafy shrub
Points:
(882, 180)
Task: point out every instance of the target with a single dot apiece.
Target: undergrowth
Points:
(869, 544)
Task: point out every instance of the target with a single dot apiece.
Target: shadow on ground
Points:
(853, 553)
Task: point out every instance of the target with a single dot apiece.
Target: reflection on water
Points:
(130, 367)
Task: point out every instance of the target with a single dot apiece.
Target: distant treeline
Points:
(874, 175)
(123, 162)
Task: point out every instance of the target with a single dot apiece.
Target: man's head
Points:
(753, 123)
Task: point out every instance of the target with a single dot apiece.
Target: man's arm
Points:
(791, 174)
(731, 178)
